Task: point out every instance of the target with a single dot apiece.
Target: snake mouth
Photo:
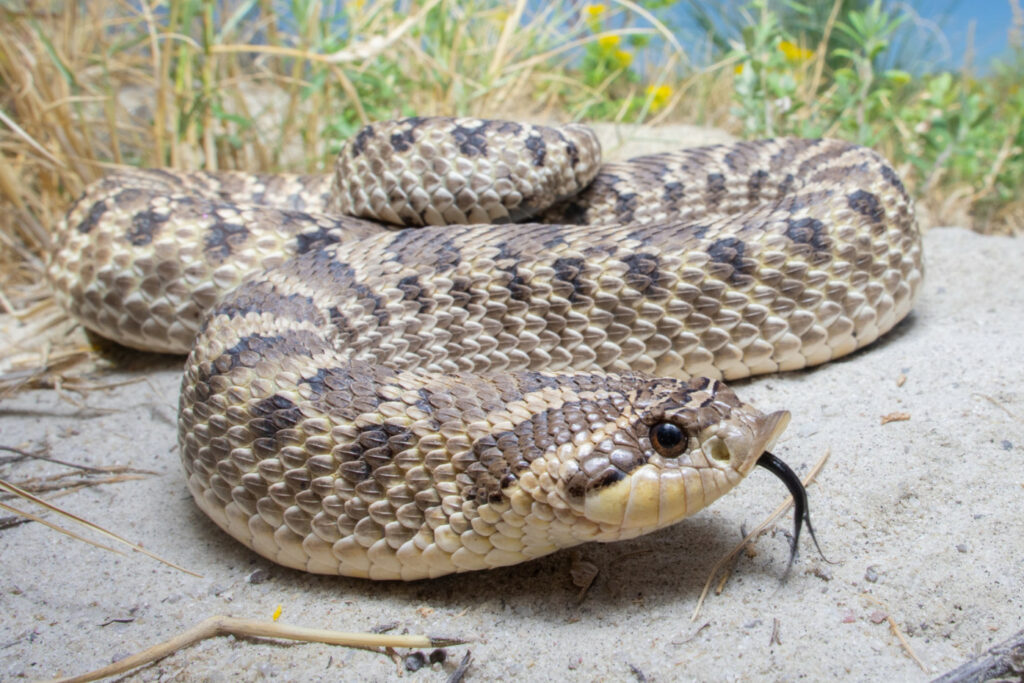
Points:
(768, 432)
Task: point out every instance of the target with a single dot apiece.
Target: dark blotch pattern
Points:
(755, 184)
(538, 149)
(272, 415)
(510, 127)
(698, 231)
(890, 176)
(626, 205)
(402, 141)
(507, 260)
(316, 239)
(246, 352)
(729, 251)
(535, 381)
(374, 448)
(570, 270)
(254, 348)
(405, 139)
(362, 137)
(222, 239)
(344, 277)
(715, 189)
(340, 392)
(427, 245)
(256, 296)
(867, 205)
(96, 212)
(491, 469)
(413, 291)
(673, 192)
(808, 231)
(145, 224)
(573, 152)
(471, 141)
(787, 184)
(643, 273)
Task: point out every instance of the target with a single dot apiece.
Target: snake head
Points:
(674, 447)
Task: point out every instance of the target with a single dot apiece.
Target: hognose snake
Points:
(400, 404)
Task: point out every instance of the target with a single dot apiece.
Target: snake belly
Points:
(407, 403)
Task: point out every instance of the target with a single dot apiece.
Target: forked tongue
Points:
(801, 512)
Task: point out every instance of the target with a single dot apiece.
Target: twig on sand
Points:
(731, 555)
(22, 454)
(1004, 661)
(25, 495)
(223, 625)
(898, 633)
(460, 672)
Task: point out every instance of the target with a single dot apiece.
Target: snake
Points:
(537, 359)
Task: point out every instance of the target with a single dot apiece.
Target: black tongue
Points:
(801, 512)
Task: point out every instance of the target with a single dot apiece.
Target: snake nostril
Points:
(716, 449)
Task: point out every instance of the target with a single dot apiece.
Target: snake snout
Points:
(737, 444)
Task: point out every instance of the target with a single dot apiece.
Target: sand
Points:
(921, 518)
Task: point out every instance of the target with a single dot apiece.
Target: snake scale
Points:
(538, 362)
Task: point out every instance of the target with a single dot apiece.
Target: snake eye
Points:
(668, 439)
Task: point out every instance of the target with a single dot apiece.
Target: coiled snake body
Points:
(400, 404)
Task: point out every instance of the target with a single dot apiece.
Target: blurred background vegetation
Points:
(277, 84)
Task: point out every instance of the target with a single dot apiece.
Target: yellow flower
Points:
(738, 69)
(608, 42)
(794, 52)
(623, 57)
(594, 11)
(659, 95)
(898, 76)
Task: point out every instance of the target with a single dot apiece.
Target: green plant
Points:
(953, 135)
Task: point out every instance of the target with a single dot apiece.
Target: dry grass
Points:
(90, 86)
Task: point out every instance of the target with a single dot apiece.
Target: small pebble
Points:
(871, 575)
(961, 547)
(823, 573)
(258, 576)
(414, 661)
(1006, 445)
(438, 656)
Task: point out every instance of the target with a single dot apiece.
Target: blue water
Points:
(935, 37)
(992, 20)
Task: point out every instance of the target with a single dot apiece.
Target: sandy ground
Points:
(922, 519)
